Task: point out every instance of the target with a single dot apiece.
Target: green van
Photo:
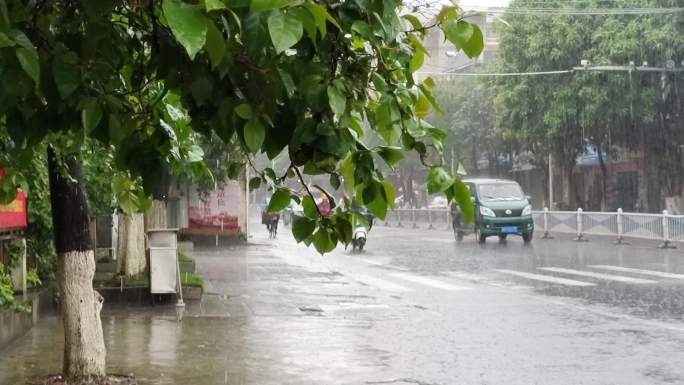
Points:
(501, 209)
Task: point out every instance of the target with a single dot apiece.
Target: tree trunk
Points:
(130, 245)
(155, 217)
(84, 349)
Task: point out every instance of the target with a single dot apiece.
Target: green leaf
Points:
(213, 5)
(417, 60)
(269, 172)
(322, 241)
(28, 58)
(391, 155)
(215, 45)
(458, 32)
(188, 24)
(337, 100)
(5, 41)
(254, 134)
(308, 22)
(279, 201)
(447, 13)
(475, 45)
(285, 30)
(438, 180)
(290, 87)
(390, 192)
(344, 229)
(116, 132)
(347, 169)
(91, 114)
(244, 111)
(423, 106)
(266, 5)
(429, 82)
(4, 13)
(438, 133)
(254, 183)
(302, 228)
(335, 181)
(309, 207)
(374, 199)
(321, 15)
(461, 194)
(66, 74)
(431, 98)
(415, 23)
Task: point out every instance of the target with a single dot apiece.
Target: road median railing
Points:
(665, 228)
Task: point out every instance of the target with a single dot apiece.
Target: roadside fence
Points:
(665, 228)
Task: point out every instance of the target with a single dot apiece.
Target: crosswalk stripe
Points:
(429, 282)
(368, 261)
(545, 278)
(466, 276)
(607, 277)
(654, 273)
(380, 283)
(352, 306)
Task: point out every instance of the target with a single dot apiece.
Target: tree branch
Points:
(308, 191)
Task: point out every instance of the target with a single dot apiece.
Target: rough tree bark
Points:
(155, 217)
(84, 348)
(130, 246)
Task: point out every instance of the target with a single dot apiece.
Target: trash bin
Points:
(163, 251)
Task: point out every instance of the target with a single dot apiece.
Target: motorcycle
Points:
(360, 234)
(359, 237)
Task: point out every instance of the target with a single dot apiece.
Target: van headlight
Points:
(527, 210)
(487, 212)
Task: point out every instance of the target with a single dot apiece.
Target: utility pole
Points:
(550, 181)
(452, 159)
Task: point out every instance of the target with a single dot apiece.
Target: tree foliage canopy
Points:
(144, 78)
(631, 108)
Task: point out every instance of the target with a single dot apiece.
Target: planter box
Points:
(186, 246)
(13, 325)
(192, 293)
(106, 267)
(140, 296)
(187, 267)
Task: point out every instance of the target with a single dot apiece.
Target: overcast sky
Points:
(466, 4)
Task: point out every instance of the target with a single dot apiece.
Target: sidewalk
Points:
(259, 323)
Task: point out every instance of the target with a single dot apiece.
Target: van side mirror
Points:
(529, 198)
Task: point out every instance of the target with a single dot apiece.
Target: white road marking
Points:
(466, 276)
(607, 277)
(380, 283)
(352, 306)
(368, 261)
(429, 282)
(376, 263)
(660, 274)
(545, 278)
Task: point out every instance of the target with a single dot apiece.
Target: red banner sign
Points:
(14, 214)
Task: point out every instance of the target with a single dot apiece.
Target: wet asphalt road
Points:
(414, 308)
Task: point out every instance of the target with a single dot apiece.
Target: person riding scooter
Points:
(360, 228)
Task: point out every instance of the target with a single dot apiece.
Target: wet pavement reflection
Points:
(415, 308)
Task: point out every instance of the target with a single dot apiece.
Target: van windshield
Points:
(500, 192)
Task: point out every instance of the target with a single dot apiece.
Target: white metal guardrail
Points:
(663, 227)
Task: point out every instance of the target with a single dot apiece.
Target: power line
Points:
(629, 68)
(497, 73)
(578, 11)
